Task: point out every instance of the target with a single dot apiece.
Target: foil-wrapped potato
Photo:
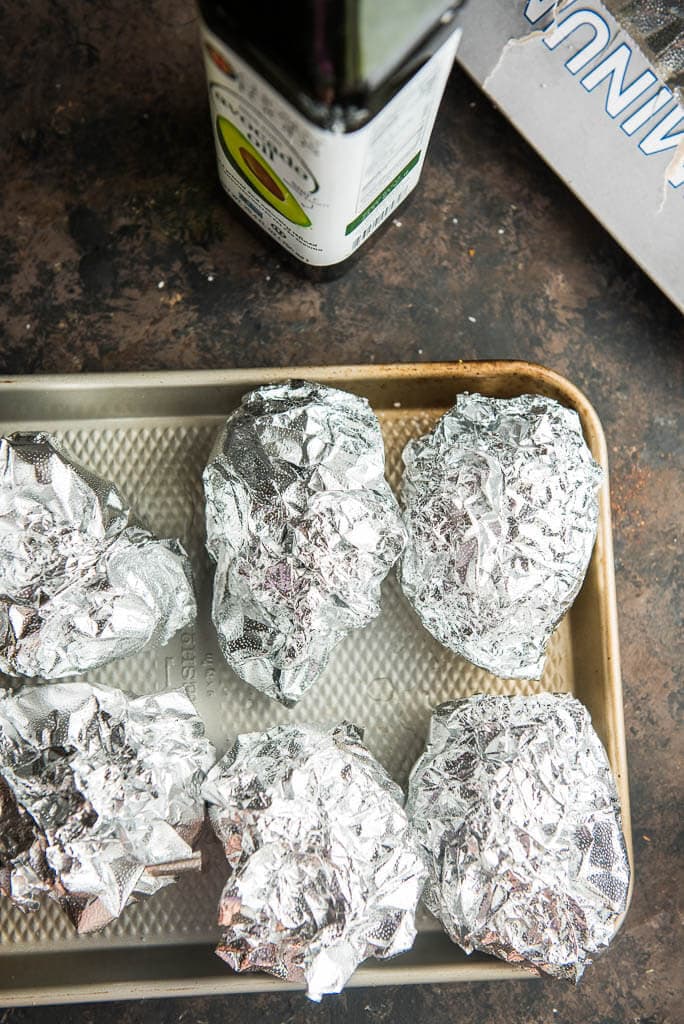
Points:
(82, 583)
(303, 528)
(100, 796)
(326, 870)
(501, 511)
(517, 810)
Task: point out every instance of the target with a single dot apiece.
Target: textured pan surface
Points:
(151, 434)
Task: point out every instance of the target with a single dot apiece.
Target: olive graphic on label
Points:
(254, 170)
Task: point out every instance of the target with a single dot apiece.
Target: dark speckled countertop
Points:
(118, 251)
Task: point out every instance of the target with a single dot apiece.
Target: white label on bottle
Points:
(319, 193)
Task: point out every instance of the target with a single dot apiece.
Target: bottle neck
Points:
(337, 61)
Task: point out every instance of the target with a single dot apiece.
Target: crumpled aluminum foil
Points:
(326, 869)
(501, 510)
(517, 809)
(81, 582)
(99, 796)
(303, 528)
(658, 27)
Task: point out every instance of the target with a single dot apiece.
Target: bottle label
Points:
(319, 193)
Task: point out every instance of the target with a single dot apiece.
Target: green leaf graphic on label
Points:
(253, 169)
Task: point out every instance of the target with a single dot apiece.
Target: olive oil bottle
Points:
(322, 111)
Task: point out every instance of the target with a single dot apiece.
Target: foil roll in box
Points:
(100, 796)
(517, 810)
(303, 528)
(81, 582)
(326, 870)
(501, 510)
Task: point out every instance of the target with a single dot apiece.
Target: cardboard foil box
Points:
(596, 88)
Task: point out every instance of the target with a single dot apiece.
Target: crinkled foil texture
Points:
(517, 809)
(326, 869)
(658, 26)
(81, 582)
(303, 528)
(96, 788)
(501, 510)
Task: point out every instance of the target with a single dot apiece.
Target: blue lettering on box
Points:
(593, 30)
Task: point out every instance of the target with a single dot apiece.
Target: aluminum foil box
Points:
(596, 88)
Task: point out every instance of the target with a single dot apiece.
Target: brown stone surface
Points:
(108, 188)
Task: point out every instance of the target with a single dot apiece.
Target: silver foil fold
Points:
(517, 810)
(99, 796)
(81, 582)
(326, 870)
(501, 510)
(303, 528)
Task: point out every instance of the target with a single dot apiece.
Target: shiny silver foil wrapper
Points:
(100, 796)
(658, 26)
(81, 582)
(303, 528)
(326, 870)
(501, 510)
(517, 809)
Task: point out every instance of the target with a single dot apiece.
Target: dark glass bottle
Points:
(322, 111)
